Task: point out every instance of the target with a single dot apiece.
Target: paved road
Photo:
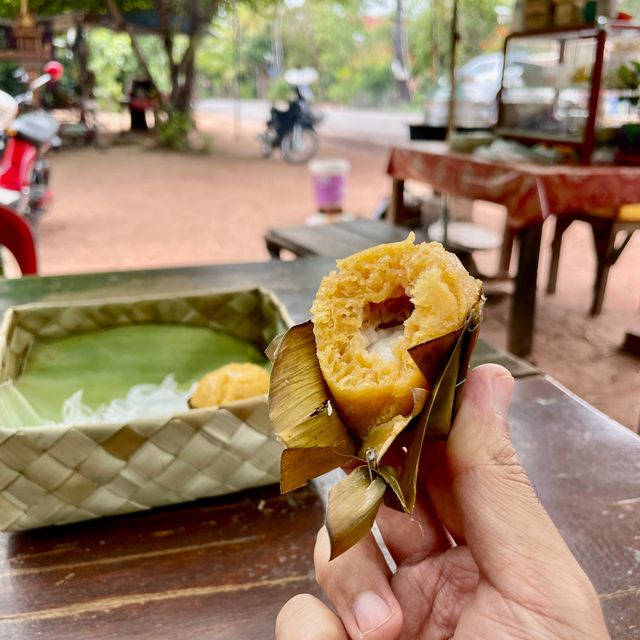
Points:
(362, 125)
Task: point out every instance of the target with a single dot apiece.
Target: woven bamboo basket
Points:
(61, 474)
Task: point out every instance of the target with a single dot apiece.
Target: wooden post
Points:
(396, 213)
(562, 224)
(523, 302)
(506, 249)
(604, 238)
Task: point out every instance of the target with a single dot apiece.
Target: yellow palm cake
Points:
(372, 310)
(237, 381)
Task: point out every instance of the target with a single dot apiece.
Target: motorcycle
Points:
(24, 169)
(293, 131)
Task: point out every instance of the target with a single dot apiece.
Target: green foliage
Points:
(348, 41)
(629, 76)
(279, 90)
(218, 58)
(375, 81)
(330, 36)
(112, 62)
(631, 6)
(114, 65)
(11, 8)
(165, 57)
(172, 130)
(8, 82)
(477, 25)
(352, 55)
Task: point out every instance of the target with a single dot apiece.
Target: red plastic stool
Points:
(16, 235)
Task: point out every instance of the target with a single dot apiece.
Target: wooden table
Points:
(221, 568)
(531, 193)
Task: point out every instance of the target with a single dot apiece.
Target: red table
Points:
(530, 192)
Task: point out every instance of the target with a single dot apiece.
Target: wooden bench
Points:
(335, 240)
(344, 238)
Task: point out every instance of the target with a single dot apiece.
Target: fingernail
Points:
(501, 387)
(370, 611)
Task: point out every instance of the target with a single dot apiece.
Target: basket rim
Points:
(150, 297)
(9, 320)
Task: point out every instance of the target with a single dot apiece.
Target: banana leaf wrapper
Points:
(308, 422)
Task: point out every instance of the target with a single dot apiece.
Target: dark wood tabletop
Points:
(221, 568)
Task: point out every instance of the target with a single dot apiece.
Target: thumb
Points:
(307, 617)
(503, 522)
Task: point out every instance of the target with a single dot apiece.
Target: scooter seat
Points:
(9, 197)
(37, 127)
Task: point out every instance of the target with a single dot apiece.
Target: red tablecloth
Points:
(530, 192)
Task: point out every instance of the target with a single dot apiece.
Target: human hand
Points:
(508, 575)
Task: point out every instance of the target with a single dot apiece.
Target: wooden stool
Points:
(604, 232)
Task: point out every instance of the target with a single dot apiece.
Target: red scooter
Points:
(24, 170)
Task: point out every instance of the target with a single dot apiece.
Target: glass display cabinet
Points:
(574, 87)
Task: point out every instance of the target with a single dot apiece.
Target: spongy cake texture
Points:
(235, 381)
(377, 305)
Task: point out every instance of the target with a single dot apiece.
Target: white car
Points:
(477, 86)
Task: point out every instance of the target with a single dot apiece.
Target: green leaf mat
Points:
(107, 363)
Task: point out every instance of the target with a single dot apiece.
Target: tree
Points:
(180, 26)
(177, 20)
(191, 19)
(402, 67)
(353, 52)
(244, 32)
(430, 39)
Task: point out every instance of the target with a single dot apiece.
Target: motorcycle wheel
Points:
(299, 145)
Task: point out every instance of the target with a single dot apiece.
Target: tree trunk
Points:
(177, 106)
(116, 14)
(278, 50)
(402, 69)
(164, 17)
(435, 44)
(81, 55)
(182, 92)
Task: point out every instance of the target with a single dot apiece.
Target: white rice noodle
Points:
(142, 401)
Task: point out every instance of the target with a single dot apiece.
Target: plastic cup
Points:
(329, 180)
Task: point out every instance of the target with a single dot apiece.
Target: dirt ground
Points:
(129, 207)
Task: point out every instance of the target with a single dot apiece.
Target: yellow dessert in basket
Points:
(367, 315)
(236, 381)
